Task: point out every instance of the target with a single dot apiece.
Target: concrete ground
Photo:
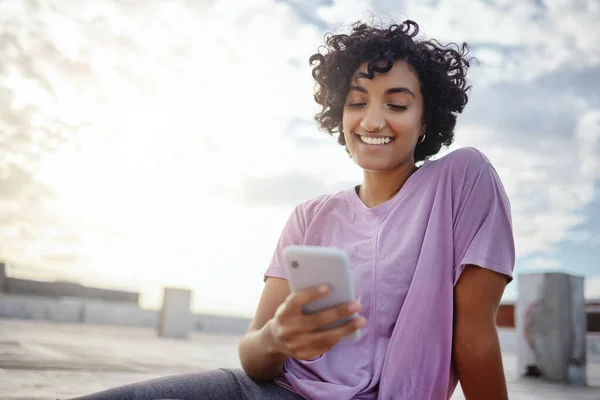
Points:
(47, 360)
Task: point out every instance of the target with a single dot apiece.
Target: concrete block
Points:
(551, 327)
(175, 318)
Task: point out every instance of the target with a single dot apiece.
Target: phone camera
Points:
(295, 264)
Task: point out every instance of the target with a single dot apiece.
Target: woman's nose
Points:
(372, 121)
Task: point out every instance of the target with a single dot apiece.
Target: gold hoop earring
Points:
(422, 139)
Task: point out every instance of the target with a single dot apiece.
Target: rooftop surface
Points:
(47, 360)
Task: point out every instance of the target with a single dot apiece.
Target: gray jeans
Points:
(219, 384)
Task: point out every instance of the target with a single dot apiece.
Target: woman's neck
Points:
(380, 186)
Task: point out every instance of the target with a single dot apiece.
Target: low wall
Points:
(26, 287)
(41, 308)
(221, 324)
(121, 314)
(70, 309)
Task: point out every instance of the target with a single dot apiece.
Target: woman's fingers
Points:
(323, 318)
(310, 345)
(298, 300)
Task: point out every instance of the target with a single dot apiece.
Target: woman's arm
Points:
(255, 356)
(476, 347)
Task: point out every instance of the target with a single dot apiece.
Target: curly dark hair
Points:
(441, 71)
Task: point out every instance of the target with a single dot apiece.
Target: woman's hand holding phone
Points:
(297, 335)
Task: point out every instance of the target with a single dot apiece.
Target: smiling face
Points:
(383, 118)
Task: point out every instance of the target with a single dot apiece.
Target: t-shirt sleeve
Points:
(482, 229)
(292, 234)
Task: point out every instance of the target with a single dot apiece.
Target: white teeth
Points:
(372, 140)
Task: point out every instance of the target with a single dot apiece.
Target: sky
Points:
(167, 144)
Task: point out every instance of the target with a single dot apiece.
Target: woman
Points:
(431, 246)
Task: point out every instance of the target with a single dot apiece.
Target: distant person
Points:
(430, 242)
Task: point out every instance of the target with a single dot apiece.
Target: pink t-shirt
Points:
(406, 254)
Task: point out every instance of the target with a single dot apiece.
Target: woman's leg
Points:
(219, 384)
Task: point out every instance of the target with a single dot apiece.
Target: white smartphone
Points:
(313, 265)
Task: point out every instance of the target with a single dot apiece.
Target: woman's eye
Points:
(397, 107)
(356, 105)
